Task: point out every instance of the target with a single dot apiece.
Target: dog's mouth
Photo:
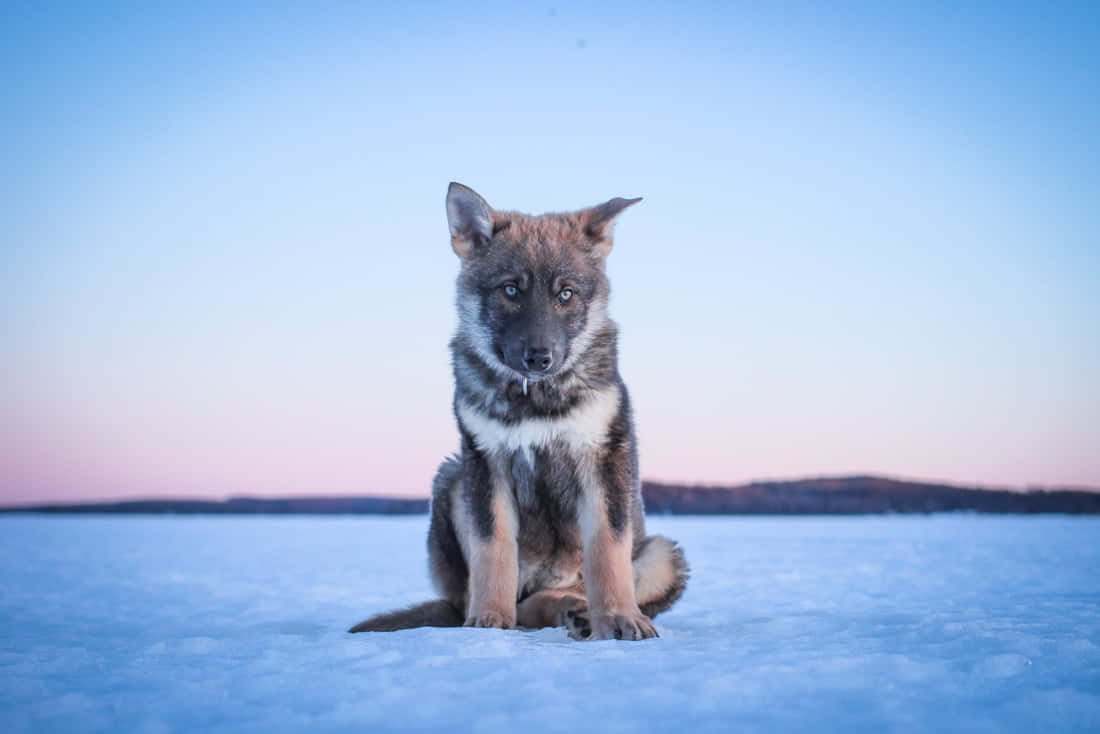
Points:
(534, 376)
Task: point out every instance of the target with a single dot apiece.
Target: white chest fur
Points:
(583, 427)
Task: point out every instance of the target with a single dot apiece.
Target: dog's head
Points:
(533, 291)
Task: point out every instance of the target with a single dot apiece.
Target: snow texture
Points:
(955, 623)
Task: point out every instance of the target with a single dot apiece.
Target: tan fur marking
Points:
(587, 230)
(609, 578)
(608, 571)
(494, 569)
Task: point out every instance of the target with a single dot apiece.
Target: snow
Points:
(949, 623)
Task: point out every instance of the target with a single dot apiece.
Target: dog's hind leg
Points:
(660, 574)
(552, 608)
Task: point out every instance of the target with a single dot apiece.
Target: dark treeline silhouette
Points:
(246, 506)
(823, 496)
(858, 496)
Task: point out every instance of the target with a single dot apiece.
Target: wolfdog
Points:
(538, 521)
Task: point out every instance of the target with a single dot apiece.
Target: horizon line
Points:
(692, 485)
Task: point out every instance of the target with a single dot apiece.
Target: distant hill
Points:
(858, 496)
(822, 496)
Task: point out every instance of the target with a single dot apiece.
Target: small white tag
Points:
(524, 385)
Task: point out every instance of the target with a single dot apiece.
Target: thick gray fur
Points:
(532, 301)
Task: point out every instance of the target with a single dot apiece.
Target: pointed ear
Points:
(470, 219)
(599, 222)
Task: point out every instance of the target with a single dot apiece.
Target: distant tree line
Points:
(823, 496)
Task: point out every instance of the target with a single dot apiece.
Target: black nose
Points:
(538, 360)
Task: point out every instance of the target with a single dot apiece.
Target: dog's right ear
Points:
(470, 218)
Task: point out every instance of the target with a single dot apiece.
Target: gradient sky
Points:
(870, 240)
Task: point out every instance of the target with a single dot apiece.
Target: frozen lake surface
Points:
(951, 623)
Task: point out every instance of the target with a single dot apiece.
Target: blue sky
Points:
(869, 240)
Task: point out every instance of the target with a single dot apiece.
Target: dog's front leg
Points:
(608, 573)
(494, 565)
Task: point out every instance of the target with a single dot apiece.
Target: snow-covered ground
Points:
(158, 624)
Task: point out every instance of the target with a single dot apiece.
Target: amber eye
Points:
(511, 291)
(565, 294)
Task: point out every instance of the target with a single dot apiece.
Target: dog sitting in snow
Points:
(538, 521)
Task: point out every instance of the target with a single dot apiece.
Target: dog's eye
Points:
(511, 291)
(565, 294)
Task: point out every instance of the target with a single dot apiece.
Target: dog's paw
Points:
(489, 618)
(633, 626)
(576, 621)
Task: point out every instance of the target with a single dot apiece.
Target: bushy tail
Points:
(437, 613)
(661, 574)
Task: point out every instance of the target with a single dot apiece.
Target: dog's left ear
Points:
(599, 222)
